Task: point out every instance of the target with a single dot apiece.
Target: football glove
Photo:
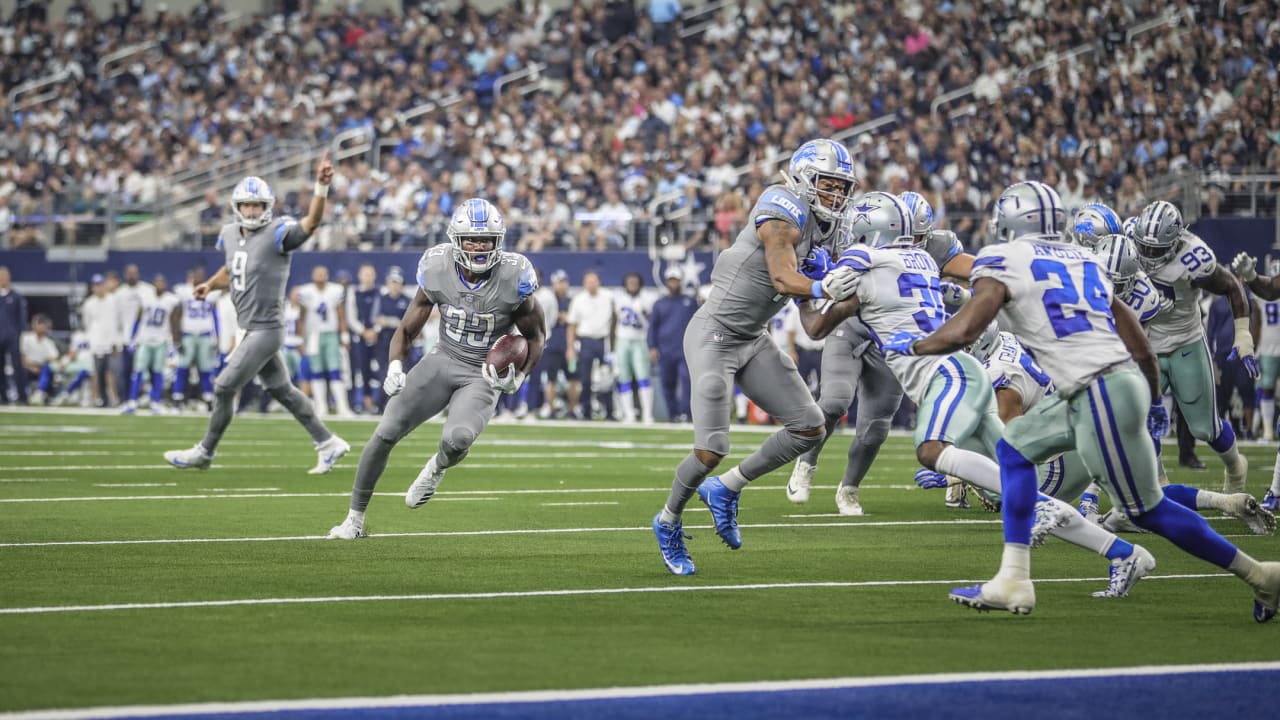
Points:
(394, 381)
(1245, 265)
(953, 294)
(1158, 420)
(901, 342)
(930, 480)
(839, 284)
(508, 382)
(816, 264)
(1250, 362)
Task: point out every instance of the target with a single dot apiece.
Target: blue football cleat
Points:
(671, 543)
(1016, 596)
(1262, 613)
(723, 504)
(1271, 502)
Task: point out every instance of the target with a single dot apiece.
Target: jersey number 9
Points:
(239, 263)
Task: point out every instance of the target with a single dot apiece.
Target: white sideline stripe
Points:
(236, 490)
(508, 595)
(129, 485)
(579, 504)
(230, 495)
(31, 480)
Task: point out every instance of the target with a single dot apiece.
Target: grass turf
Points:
(477, 536)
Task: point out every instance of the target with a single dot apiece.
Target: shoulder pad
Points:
(777, 202)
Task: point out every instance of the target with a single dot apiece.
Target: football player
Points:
(1059, 303)
(324, 322)
(198, 322)
(1267, 288)
(482, 292)
(633, 306)
(259, 250)
(153, 329)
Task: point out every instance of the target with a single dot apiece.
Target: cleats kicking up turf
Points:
(425, 486)
(723, 504)
(801, 482)
(328, 453)
(194, 457)
(671, 544)
(1016, 596)
(1126, 572)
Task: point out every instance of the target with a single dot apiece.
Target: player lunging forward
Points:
(482, 292)
(1059, 303)
(258, 250)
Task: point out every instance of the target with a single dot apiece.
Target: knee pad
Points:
(718, 443)
(712, 387)
(874, 433)
(835, 397)
(458, 441)
(226, 392)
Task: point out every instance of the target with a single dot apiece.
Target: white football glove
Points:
(840, 284)
(508, 382)
(953, 294)
(1245, 266)
(394, 382)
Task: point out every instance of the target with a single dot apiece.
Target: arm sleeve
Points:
(290, 236)
(353, 318)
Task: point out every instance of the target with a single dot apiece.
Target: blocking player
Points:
(258, 252)
(482, 292)
(1061, 306)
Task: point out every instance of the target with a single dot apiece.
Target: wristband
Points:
(320, 190)
(395, 366)
(816, 290)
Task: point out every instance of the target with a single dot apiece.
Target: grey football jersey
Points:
(473, 317)
(743, 298)
(259, 267)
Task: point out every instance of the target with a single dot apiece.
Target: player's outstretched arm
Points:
(959, 267)
(221, 280)
(1136, 342)
(989, 295)
(415, 318)
(1222, 282)
(1267, 288)
(533, 326)
(780, 240)
(315, 213)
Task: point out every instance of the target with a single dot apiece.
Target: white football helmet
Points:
(252, 190)
(476, 219)
(819, 160)
(1119, 258)
(985, 346)
(921, 212)
(1157, 233)
(1028, 210)
(1130, 226)
(1091, 223)
(880, 219)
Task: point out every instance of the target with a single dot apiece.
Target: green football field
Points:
(129, 582)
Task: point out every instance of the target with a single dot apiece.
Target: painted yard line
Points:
(228, 496)
(549, 456)
(35, 480)
(235, 490)
(514, 595)
(485, 533)
(154, 466)
(133, 485)
(578, 504)
(623, 693)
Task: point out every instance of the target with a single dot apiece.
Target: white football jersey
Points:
(1269, 343)
(1143, 298)
(199, 317)
(778, 326)
(791, 324)
(322, 306)
(292, 339)
(898, 291)
(1011, 366)
(1181, 323)
(633, 314)
(79, 344)
(153, 326)
(1059, 307)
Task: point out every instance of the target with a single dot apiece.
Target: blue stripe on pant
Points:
(952, 393)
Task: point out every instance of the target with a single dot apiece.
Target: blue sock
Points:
(46, 379)
(1119, 548)
(1225, 440)
(180, 383)
(624, 387)
(135, 386)
(75, 384)
(1186, 529)
(644, 383)
(206, 382)
(1018, 483)
(157, 386)
(335, 375)
(1184, 495)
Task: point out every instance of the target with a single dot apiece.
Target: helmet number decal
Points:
(239, 264)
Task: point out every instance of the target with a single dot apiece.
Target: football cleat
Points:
(1117, 522)
(194, 457)
(723, 504)
(350, 529)
(1049, 516)
(1270, 502)
(847, 501)
(328, 454)
(671, 544)
(1245, 507)
(1089, 506)
(800, 483)
(958, 496)
(424, 487)
(1016, 596)
(1266, 596)
(990, 501)
(1126, 572)
(1233, 479)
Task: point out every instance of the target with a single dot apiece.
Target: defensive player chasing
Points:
(1267, 288)
(726, 341)
(482, 293)
(258, 251)
(1060, 305)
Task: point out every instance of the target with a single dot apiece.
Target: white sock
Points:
(1079, 531)
(1246, 568)
(321, 397)
(740, 404)
(356, 517)
(1015, 563)
(734, 480)
(970, 467)
(1268, 413)
(1230, 457)
(667, 517)
(646, 403)
(340, 397)
(628, 407)
(1208, 499)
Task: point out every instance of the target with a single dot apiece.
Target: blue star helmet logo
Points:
(862, 213)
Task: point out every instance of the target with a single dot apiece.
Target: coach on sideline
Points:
(592, 321)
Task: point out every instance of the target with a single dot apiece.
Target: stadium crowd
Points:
(630, 106)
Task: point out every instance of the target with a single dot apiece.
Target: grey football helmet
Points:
(1119, 258)
(1091, 223)
(818, 160)
(1157, 233)
(921, 211)
(1028, 209)
(880, 219)
(985, 346)
(252, 190)
(476, 219)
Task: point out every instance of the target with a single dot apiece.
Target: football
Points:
(508, 350)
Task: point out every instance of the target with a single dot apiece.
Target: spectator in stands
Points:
(13, 322)
(671, 315)
(39, 355)
(588, 343)
(100, 320)
(210, 220)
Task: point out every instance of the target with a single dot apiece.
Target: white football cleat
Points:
(1126, 572)
(194, 457)
(1266, 593)
(801, 482)
(847, 501)
(1117, 522)
(424, 487)
(328, 454)
(1016, 596)
(350, 529)
(1049, 516)
(1245, 507)
(1233, 479)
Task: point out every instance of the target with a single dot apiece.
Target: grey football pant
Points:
(258, 353)
(437, 382)
(846, 371)
(767, 376)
